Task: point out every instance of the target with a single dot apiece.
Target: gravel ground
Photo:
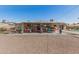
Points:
(35, 43)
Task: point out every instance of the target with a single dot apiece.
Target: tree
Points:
(51, 20)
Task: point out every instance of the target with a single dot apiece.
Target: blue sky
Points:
(21, 13)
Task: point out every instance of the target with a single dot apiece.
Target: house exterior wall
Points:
(37, 27)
